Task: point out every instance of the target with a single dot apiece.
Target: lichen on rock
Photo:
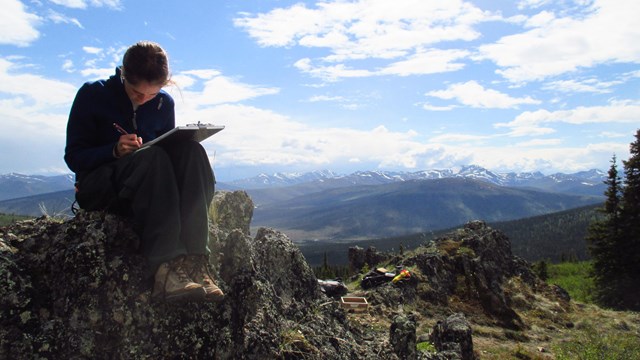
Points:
(78, 289)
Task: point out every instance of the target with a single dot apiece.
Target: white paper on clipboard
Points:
(197, 132)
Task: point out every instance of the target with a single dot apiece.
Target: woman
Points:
(167, 189)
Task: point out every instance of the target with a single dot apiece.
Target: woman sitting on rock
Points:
(167, 189)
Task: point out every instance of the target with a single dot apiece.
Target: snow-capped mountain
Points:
(282, 179)
(16, 185)
(584, 182)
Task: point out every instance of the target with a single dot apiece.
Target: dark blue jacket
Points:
(91, 136)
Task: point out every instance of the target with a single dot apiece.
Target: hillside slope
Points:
(56, 203)
(409, 207)
(550, 237)
(15, 185)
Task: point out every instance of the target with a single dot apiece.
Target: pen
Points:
(120, 129)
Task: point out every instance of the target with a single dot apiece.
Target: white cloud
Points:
(615, 112)
(539, 142)
(97, 73)
(546, 158)
(319, 98)
(74, 4)
(59, 18)
(255, 136)
(67, 66)
(613, 135)
(430, 107)
(427, 62)
(577, 86)
(34, 112)
(423, 62)
(100, 62)
(205, 88)
(83, 4)
(202, 73)
(92, 50)
(475, 95)
(367, 29)
(341, 101)
(33, 89)
(460, 138)
(17, 26)
(330, 73)
(523, 4)
(541, 19)
(605, 32)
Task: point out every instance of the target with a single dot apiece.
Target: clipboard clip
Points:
(199, 124)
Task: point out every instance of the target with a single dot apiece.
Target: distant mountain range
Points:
(584, 182)
(325, 205)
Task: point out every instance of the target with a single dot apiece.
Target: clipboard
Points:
(197, 132)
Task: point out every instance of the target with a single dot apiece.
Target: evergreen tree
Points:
(630, 219)
(604, 237)
(615, 240)
(541, 269)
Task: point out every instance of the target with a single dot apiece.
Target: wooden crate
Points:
(354, 303)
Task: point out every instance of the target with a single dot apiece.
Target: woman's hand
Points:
(127, 144)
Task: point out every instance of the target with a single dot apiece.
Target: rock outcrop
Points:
(472, 263)
(359, 257)
(78, 289)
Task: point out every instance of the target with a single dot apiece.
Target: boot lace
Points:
(177, 266)
(200, 270)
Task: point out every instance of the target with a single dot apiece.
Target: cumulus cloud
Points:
(33, 110)
(368, 29)
(626, 112)
(33, 89)
(255, 136)
(475, 95)
(212, 88)
(605, 32)
(17, 25)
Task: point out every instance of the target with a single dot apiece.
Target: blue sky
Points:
(408, 85)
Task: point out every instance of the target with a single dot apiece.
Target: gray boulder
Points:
(452, 338)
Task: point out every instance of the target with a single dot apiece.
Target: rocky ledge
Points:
(77, 289)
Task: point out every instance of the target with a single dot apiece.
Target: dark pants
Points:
(167, 190)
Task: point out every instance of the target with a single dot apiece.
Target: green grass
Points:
(594, 344)
(6, 219)
(573, 277)
(426, 347)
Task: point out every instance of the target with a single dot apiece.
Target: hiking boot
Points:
(172, 283)
(200, 273)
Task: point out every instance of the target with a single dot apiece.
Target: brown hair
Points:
(146, 61)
